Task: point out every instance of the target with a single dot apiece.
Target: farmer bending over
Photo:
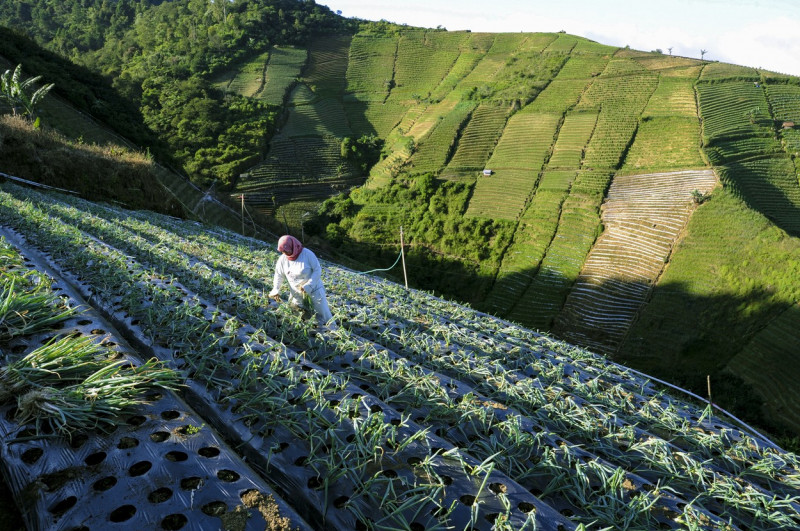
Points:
(301, 269)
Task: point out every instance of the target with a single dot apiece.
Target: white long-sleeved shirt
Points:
(304, 272)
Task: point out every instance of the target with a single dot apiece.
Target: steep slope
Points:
(413, 412)
(558, 120)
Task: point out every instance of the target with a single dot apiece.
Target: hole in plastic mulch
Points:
(127, 442)
(228, 476)
(215, 508)
(95, 458)
(526, 507)
(191, 483)
(63, 506)
(78, 440)
(122, 514)
(31, 455)
(174, 522)
(467, 499)
(176, 456)
(140, 468)
(341, 501)
(498, 488)
(170, 415)
(208, 451)
(104, 484)
(159, 495)
(159, 436)
(137, 420)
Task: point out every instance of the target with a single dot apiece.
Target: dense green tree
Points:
(160, 54)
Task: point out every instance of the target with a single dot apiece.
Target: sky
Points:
(757, 33)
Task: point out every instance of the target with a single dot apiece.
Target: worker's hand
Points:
(276, 297)
(302, 289)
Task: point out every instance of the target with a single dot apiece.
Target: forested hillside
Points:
(644, 205)
(162, 55)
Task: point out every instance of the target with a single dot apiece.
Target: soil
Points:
(236, 520)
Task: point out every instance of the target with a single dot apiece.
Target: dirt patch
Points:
(236, 520)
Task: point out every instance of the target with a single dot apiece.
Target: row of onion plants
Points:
(686, 455)
(606, 504)
(613, 514)
(82, 419)
(322, 403)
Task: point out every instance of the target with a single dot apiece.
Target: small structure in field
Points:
(788, 124)
(487, 172)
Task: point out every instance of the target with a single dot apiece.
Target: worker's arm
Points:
(277, 279)
(315, 280)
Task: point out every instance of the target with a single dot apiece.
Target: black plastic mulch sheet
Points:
(161, 468)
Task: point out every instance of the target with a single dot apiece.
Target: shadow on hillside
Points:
(676, 335)
(765, 197)
(360, 124)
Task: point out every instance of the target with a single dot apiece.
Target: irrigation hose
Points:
(374, 270)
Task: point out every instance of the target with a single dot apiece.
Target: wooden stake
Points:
(242, 214)
(403, 256)
(708, 382)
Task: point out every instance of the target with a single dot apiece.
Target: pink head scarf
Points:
(290, 246)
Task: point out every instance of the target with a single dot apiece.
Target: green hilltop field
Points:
(642, 205)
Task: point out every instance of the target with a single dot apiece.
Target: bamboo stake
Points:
(403, 256)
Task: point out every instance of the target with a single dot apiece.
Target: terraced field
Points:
(643, 216)
(559, 120)
(411, 412)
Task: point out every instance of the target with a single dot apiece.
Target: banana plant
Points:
(14, 92)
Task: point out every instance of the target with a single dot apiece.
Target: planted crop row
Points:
(768, 185)
(326, 71)
(308, 441)
(503, 194)
(396, 376)
(371, 117)
(423, 60)
(784, 100)
(478, 138)
(506, 351)
(522, 259)
(650, 152)
(526, 141)
(370, 68)
(666, 416)
(577, 229)
(436, 148)
(763, 360)
(717, 71)
(130, 449)
(563, 44)
(573, 136)
(732, 108)
(642, 216)
(323, 117)
(280, 72)
(673, 98)
(624, 93)
(465, 63)
(246, 79)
